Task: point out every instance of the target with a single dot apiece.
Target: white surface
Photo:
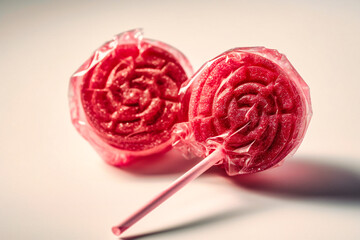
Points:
(54, 186)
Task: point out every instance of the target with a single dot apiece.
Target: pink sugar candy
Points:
(124, 99)
(253, 103)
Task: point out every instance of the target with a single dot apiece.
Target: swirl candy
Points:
(253, 103)
(248, 109)
(124, 99)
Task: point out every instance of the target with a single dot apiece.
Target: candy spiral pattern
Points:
(128, 94)
(131, 97)
(253, 103)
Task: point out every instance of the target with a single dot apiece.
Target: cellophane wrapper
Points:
(249, 102)
(110, 153)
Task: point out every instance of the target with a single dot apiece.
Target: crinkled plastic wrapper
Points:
(251, 103)
(124, 99)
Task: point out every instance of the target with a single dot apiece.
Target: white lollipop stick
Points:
(179, 183)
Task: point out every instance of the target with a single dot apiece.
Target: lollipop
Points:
(124, 100)
(252, 103)
(248, 109)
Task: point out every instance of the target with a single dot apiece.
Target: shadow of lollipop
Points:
(170, 163)
(297, 178)
(199, 222)
(304, 179)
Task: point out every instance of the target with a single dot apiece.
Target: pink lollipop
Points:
(248, 109)
(252, 103)
(124, 100)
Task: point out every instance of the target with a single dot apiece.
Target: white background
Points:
(54, 186)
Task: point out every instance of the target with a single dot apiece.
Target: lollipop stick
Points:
(179, 183)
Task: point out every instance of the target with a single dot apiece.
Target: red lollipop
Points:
(248, 109)
(252, 103)
(124, 100)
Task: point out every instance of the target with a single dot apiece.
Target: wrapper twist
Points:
(124, 100)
